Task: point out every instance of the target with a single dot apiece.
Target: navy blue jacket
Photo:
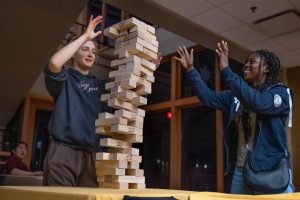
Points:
(272, 106)
(77, 105)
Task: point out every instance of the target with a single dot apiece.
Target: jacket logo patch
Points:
(277, 100)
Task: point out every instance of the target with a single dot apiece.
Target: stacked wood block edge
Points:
(130, 80)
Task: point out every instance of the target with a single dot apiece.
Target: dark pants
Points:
(64, 166)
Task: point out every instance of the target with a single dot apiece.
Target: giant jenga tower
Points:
(136, 46)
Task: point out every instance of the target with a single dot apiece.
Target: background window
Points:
(156, 150)
(198, 149)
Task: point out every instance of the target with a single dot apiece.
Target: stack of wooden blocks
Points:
(136, 46)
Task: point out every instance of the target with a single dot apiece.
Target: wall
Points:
(293, 75)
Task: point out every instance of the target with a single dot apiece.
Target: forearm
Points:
(206, 95)
(64, 54)
(16, 171)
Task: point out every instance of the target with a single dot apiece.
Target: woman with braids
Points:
(258, 105)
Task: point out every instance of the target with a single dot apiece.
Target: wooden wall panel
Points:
(293, 75)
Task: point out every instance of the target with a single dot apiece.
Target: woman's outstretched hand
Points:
(90, 31)
(222, 52)
(158, 60)
(186, 59)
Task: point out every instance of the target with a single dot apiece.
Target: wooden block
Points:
(134, 29)
(111, 171)
(111, 32)
(136, 40)
(132, 151)
(109, 142)
(123, 32)
(155, 43)
(124, 43)
(112, 163)
(133, 58)
(103, 130)
(131, 48)
(134, 78)
(141, 33)
(124, 54)
(143, 90)
(137, 186)
(138, 111)
(134, 172)
(148, 54)
(118, 156)
(110, 121)
(133, 165)
(117, 89)
(148, 77)
(136, 124)
(133, 158)
(116, 73)
(143, 25)
(145, 71)
(151, 29)
(134, 68)
(123, 179)
(129, 115)
(119, 104)
(139, 100)
(149, 65)
(127, 95)
(146, 44)
(120, 128)
(126, 24)
(130, 138)
(113, 185)
(126, 84)
(143, 82)
(105, 115)
(105, 97)
(122, 38)
(111, 156)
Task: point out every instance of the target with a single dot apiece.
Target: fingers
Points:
(94, 22)
(179, 50)
(176, 58)
(222, 47)
(98, 33)
(218, 52)
(192, 53)
(98, 19)
(185, 51)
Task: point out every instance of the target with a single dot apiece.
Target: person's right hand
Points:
(90, 33)
(37, 173)
(186, 59)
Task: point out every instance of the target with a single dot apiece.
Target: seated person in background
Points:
(15, 164)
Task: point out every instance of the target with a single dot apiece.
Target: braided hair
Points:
(273, 63)
(272, 77)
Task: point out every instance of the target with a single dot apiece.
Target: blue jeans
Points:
(239, 187)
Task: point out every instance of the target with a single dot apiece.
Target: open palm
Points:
(90, 31)
(186, 59)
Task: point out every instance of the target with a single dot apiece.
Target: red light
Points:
(169, 115)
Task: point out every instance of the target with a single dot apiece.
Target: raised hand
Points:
(158, 60)
(186, 59)
(90, 31)
(222, 51)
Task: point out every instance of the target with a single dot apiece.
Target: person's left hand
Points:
(222, 51)
(158, 60)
